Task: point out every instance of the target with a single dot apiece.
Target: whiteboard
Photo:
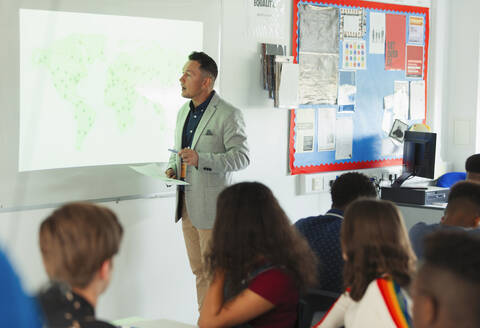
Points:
(36, 186)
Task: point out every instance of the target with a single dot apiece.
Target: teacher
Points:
(210, 136)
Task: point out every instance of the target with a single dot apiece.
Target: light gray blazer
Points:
(221, 144)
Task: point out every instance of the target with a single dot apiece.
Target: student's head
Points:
(199, 74)
(348, 187)
(78, 241)
(463, 208)
(446, 290)
(374, 243)
(251, 229)
(472, 166)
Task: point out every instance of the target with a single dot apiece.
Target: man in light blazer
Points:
(210, 137)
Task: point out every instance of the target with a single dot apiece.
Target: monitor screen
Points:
(419, 153)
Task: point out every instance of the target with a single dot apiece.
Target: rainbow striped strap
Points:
(395, 301)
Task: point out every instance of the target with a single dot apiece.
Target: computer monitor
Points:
(418, 156)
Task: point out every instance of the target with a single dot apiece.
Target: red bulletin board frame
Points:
(387, 7)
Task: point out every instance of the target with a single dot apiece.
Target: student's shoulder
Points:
(274, 275)
(422, 228)
(305, 221)
(274, 284)
(317, 222)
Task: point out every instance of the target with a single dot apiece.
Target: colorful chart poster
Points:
(395, 42)
(414, 61)
(354, 54)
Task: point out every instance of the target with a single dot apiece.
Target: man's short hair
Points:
(455, 256)
(207, 64)
(472, 164)
(467, 191)
(76, 239)
(456, 252)
(349, 186)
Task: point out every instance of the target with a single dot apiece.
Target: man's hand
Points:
(189, 156)
(170, 173)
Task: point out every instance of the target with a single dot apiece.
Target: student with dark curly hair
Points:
(258, 261)
(379, 263)
(323, 231)
(446, 288)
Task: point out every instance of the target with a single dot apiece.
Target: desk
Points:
(413, 213)
(159, 323)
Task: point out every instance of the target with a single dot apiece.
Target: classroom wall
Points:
(462, 79)
(152, 278)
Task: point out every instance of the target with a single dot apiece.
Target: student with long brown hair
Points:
(258, 261)
(379, 263)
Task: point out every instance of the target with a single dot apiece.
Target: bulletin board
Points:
(383, 54)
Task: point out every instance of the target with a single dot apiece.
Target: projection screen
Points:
(84, 93)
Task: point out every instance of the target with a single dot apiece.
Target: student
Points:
(259, 262)
(77, 242)
(446, 288)
(462, 213)
(472, 166)
(323, 231)
(378, 265)
(16, 308)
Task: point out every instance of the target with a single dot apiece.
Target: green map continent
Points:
(133, 69)
(68, 60)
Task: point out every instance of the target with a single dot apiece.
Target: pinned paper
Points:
(415, 29)
(304, 124)
(400, 100)
(377, 33)
(395, 42)
(417, 100)
(398, 130)
(388, 102)
(343, 138)
(387, 121)
(354, 54)
(414, 61)
(326, 128)
(352, 23)
(347, 91)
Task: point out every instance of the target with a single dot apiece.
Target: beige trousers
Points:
(197, 242)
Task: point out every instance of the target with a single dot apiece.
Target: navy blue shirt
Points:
(323, 235)
(194, 116)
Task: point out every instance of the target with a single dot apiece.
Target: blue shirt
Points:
(16, 308)
(420, 230)
(194, 116)
(323, 235)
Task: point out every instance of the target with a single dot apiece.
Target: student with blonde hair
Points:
(379, 263)
(77, 242)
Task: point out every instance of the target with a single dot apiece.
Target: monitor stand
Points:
(401, 179)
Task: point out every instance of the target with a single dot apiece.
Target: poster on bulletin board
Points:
(362, 80)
